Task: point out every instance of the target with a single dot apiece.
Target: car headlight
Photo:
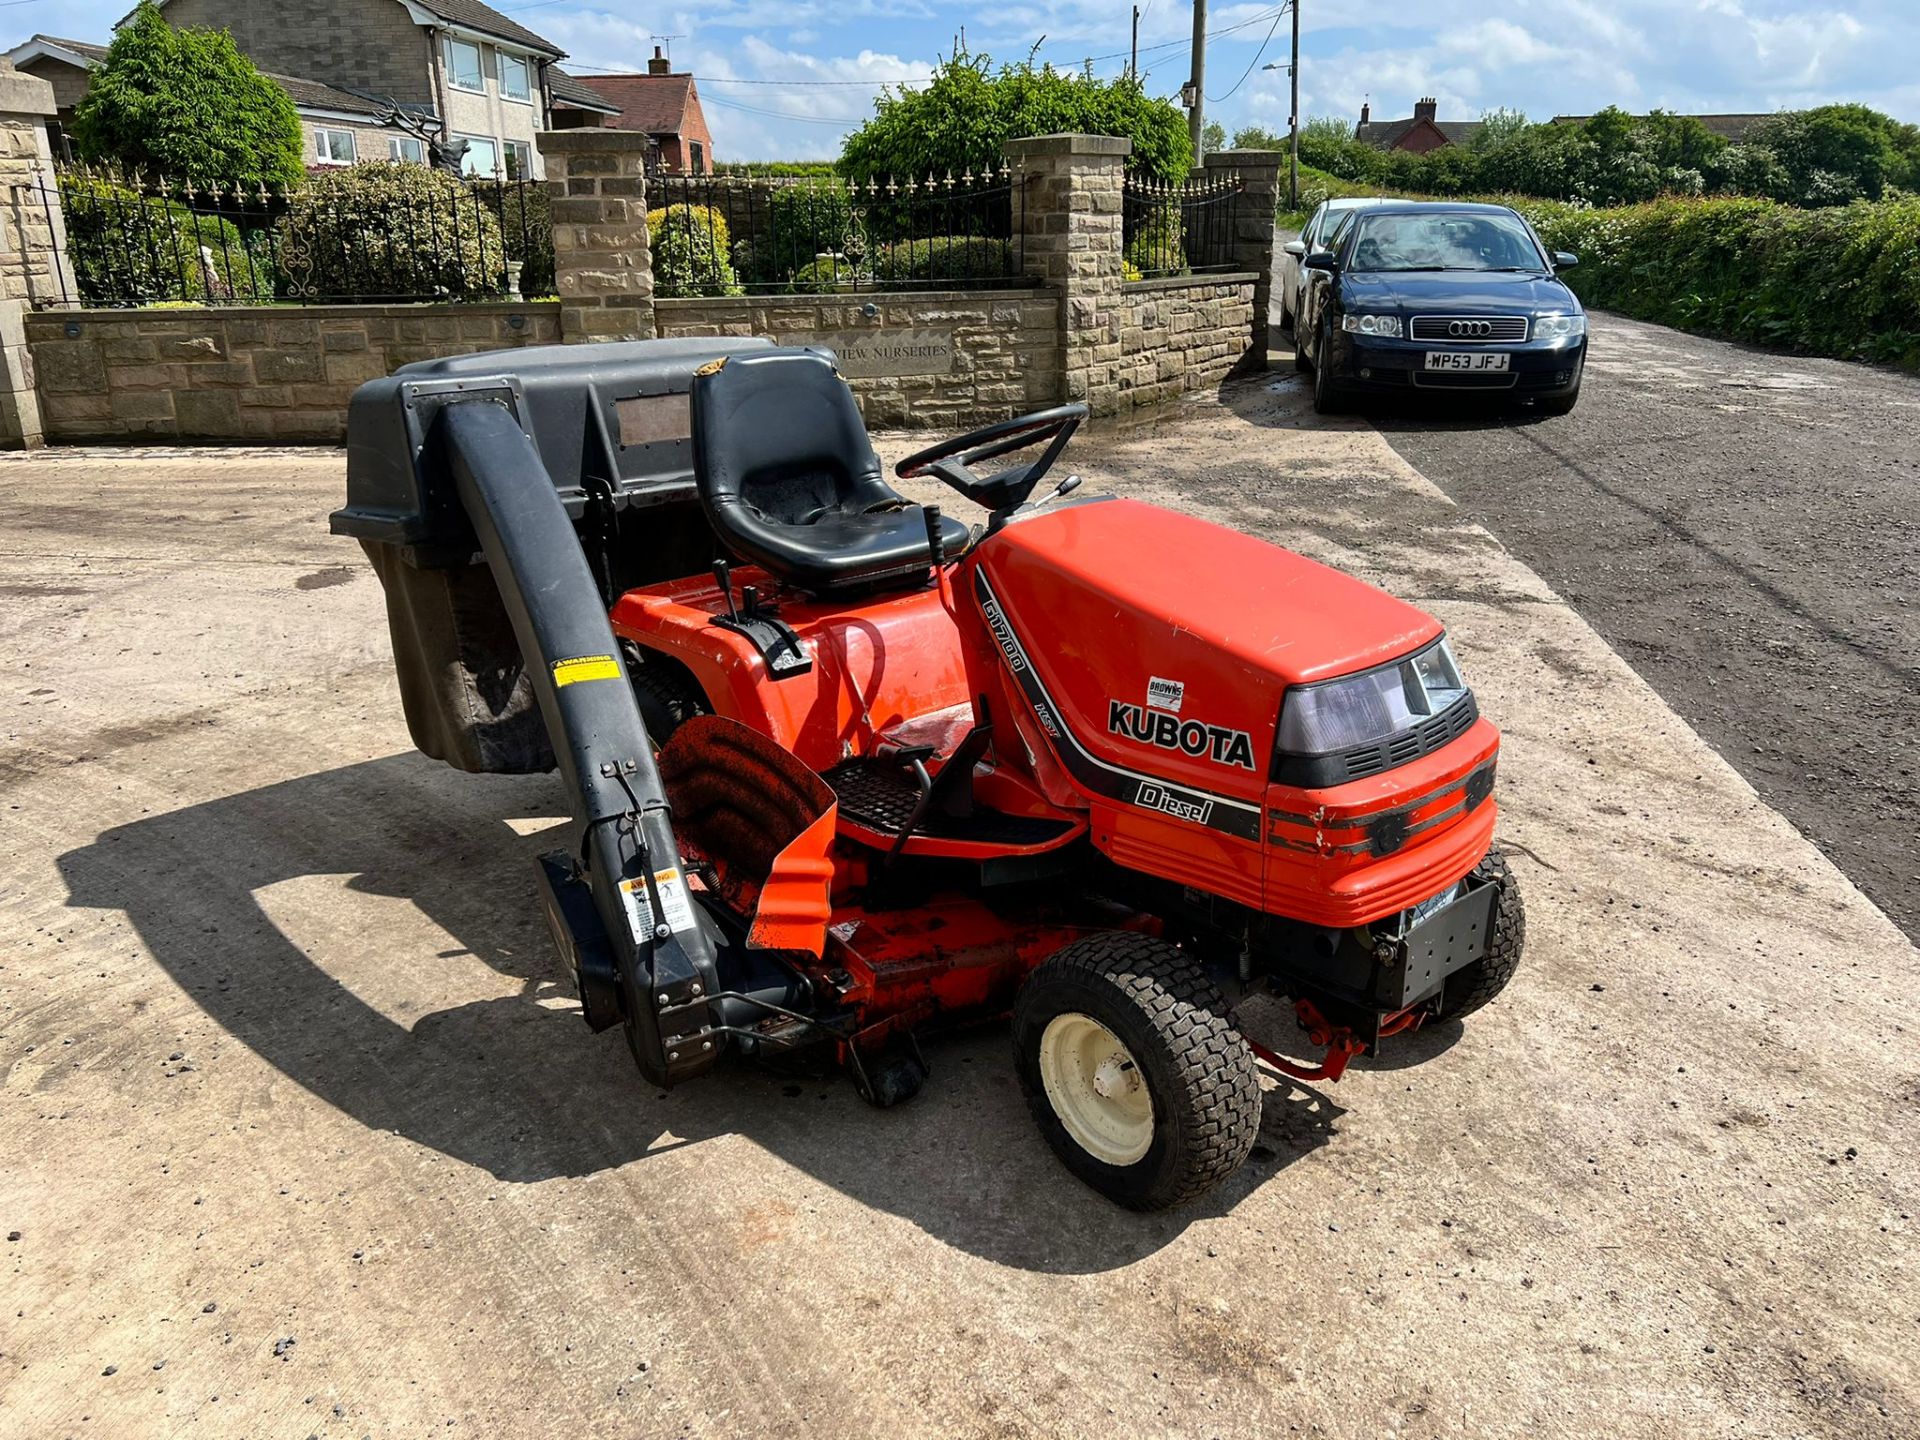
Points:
(1558, 327)
(1372, 324)
(1373, 706)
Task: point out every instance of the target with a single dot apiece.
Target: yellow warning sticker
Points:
(585, 667)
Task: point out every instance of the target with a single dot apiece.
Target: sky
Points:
(787, 79)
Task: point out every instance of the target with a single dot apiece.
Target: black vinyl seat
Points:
(789, 479)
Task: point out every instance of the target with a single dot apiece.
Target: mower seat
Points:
(789, 479)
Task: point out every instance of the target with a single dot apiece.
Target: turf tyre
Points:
(666, 691)
(1197, 1068)
(1472, 987)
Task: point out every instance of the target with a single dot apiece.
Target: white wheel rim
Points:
(1096, 1089)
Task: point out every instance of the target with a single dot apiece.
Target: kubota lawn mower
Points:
(849, 771)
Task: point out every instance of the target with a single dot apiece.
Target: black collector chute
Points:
(492, 508)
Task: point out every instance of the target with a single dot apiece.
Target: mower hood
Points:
(1171, 641)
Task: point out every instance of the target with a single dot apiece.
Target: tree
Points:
(961, 118)
(187, 104)
(1837, 153)
(1497, 127)
(1258, 137)
(1213, 136)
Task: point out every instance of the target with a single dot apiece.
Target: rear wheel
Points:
(667, 693)
(1472, 987)
(1302, 361)
(1135, 1075)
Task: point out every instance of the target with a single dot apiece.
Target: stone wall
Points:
(247, 373)
(1180, 334)
(938, 358)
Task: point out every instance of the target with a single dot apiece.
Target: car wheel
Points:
(1558, 404)
(1327, 395)
(1302, 361)
(1135, 1073)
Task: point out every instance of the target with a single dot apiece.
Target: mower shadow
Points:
(516, 1085)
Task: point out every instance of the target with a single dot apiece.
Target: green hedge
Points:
(1844, 281)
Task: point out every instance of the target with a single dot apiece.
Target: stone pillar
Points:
(33, 263)
(1263, 173)
(1068, 190)
(602, 267)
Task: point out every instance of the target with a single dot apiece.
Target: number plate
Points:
(1465, 360)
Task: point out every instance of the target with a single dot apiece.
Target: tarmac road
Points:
(302, 1135)
(1744, 529)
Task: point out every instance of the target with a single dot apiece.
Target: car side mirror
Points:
(1319, 260)
(1295, 248)
(1565, 259)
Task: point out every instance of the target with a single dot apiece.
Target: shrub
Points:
(383, 231)
(526, 228)
(942, 259)
(804, 221)
(132, 249)
(828, 274)
(187, 104)
(691, 251)
(1158, 245)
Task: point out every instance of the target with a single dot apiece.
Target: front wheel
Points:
(1472, 987)
(1138, 1080)
(1327, 395)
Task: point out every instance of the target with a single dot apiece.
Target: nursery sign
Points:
(871, 354)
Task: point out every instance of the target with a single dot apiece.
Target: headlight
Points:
(1372, 324)
(1558, 327)
(1373, 706)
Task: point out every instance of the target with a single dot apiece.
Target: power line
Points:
(1216, 99)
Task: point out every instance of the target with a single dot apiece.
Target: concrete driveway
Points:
(302, 1136)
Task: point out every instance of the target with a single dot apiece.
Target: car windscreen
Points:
(1443, 240)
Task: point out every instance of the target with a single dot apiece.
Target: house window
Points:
(463, 66)
(514, 81)
(519, 160)
(696, 158)
(333, 147)
(406, 147)
(482, 157)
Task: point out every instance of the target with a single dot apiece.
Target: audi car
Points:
(1434, 295)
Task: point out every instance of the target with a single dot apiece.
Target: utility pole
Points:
(1293, 156)
(1133, 63)
(1197, 97)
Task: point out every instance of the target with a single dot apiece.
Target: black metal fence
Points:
(1180, 229)
(368, 234)
(741, 234)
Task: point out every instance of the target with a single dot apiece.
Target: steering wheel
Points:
(952, 459)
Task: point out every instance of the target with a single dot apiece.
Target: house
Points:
(1732, 128)
(1418, 133)
(665, 105)
(454, 64)
(337, 123)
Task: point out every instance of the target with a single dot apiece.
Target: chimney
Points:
(1366, 112)
(1425, 109)
(659, 64)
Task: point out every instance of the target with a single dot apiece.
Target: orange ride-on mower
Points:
(849, 771)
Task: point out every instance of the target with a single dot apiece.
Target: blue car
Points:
(1434, 295)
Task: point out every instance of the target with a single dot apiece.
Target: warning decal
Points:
(585, 667)
(675, 904)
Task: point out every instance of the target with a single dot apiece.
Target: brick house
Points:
(665, 105)
(1418, 133)
(459, 63)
